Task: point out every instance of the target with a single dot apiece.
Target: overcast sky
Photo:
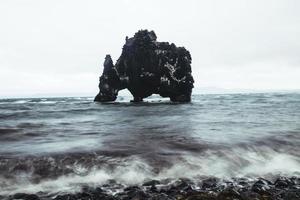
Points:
(58, 46)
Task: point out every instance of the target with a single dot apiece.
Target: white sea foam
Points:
(136, 171)
(48, 102)
(20, 101)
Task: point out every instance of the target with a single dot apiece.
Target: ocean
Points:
(57, 145)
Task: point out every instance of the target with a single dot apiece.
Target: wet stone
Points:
(261, 186)
(133, 193)
(24, 196)
(293, 194)
(229, 194)
(209, 183)
(182, 184)
(151, 183)
(250, 195)
(65, 197)
(161, 196)
(202, 196)
(283, 182)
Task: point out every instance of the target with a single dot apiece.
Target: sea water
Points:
(59, 144)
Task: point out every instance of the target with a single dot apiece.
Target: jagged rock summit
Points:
(148, 67)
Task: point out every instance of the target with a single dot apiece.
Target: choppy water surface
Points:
(58, 144)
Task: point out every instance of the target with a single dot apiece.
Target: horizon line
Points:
(197, 91)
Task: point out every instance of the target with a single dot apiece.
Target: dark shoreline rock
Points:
(184, 189)
(148, 67)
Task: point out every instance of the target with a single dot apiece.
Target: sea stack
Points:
(148, 67)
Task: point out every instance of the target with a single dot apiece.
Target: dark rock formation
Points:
(148, 67)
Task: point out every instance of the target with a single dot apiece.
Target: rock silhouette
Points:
(148, 67)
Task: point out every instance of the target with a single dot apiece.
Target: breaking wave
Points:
(61, 144)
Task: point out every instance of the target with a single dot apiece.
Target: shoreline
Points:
(210, 188)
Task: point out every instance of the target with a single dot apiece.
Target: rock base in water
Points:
(148, 67)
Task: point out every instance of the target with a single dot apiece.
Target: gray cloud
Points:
(59, 46)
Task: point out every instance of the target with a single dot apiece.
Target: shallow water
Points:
(60, 144)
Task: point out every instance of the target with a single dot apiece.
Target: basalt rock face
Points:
(148, 67)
